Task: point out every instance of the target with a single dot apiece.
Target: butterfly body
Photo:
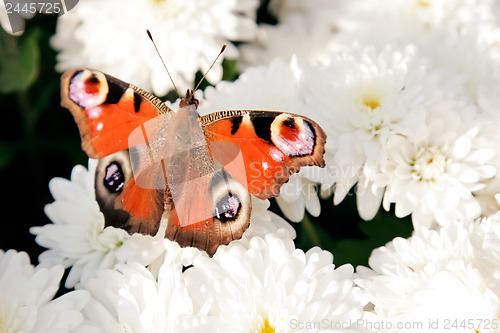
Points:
(197, 172)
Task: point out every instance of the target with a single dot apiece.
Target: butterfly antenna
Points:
(156, 48)
(212, 65)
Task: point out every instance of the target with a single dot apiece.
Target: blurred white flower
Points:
(77, 236)
(467, 58)
(111, 36)
(316, 12)
(269, 287)
(411, 21)
(295, 37)
(276, 88)
(305, 29)
(485, 240)
(426, 278)
(26, 302)
(488, 99)
(433, 176)
(489, 196)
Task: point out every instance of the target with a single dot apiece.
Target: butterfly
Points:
(157, 164)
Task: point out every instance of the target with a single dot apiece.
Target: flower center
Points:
(371, 97)
(267, 328)
(371, 101)
(429, 164)
(169, 8)
(423, 3)
(6, 328)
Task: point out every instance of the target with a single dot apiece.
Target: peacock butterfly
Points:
(153, 164)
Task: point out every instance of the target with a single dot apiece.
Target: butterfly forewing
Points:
(273, 145)
(106, 109)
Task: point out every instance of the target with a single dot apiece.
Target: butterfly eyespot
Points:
(293, 136)
(87, 89)
(114, 178)
(290, 122)
(92, 80)
(228, 208)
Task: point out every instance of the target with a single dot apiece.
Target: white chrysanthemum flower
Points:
(131, 299)
(317, 12)
(263, 222)
(111, 36)
(489, 196)
(428, 278)
(475, 67)
(77, 237)
(433, 177)
(297, 194)
(485, 239)
(411, 21)
(361, 100)
(26, 301)
(310, 24)
(270, 287)
(274, 88)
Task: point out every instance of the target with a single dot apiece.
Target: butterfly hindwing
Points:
(106, 109)
(229, 206)
(124, 204)
(273, 146)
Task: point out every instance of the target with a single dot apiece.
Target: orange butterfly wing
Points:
(273, 146)
(124, 204)
(106, 109)
(228, 205)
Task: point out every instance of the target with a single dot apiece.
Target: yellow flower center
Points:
(371, 102)
(424, 3)
(6, 328)
(267, 328)
(168, 8)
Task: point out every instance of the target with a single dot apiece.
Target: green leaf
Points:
(340, 230)
(19, 61)
(230, 70)
(6, 155)
(312, 234)
(382, 229)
